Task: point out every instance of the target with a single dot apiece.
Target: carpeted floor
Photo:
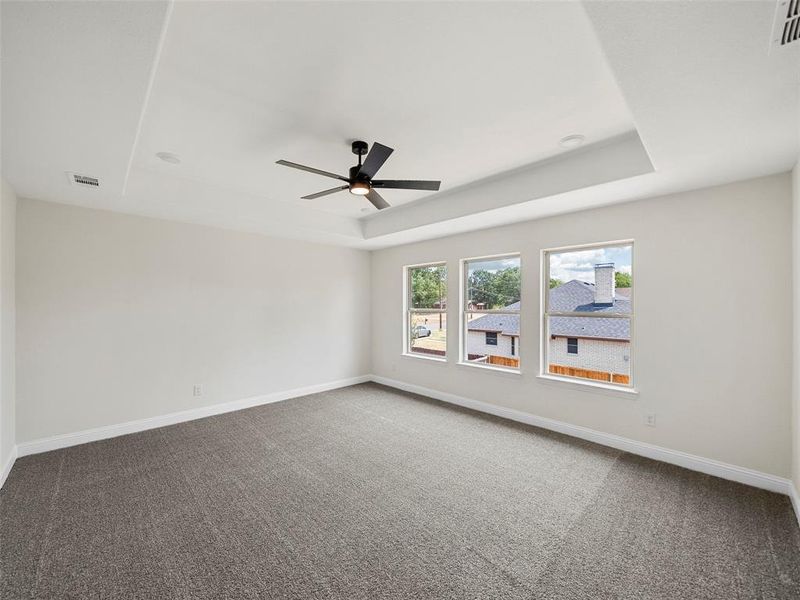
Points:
(369, 493)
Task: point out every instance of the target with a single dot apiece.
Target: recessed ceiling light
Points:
(572, 141)
(169, 157)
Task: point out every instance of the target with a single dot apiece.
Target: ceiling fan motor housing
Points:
(359, 147)
(354, 176)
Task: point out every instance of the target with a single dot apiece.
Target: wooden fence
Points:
(503, 361)
(433, 351)
(589, 374)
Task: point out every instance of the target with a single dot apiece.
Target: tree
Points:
(427, 286)
(495, 289)
(622, 280)
(554, 283)
(481, 284)
(507, 286)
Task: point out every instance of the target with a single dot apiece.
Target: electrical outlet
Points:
(650, 419)
(197, 390)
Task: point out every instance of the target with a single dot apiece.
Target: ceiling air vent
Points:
(84, 180)
(787, 23)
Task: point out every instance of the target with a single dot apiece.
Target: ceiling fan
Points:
(360, 181)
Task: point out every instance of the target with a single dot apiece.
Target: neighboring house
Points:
(594, 348)
(495, 338)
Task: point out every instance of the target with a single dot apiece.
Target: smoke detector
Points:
(786, 26)
(573, 141)
(83, 180)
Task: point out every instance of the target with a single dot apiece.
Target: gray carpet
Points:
(368, 493)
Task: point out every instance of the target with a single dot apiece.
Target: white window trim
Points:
(544, 374)
(587, 385)
(407, 310)
(463, 296)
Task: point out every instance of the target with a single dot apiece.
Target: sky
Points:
(493, 265)
(580, 264)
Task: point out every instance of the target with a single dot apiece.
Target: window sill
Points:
(589, 386)
(491, 368)
(424, 357)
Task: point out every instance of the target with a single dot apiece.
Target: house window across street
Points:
(491, 311)
(588, 293)
(426, 306)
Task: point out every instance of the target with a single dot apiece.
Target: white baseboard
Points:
(7, 467)
(101, 433)
(794, 495)
(675, 457)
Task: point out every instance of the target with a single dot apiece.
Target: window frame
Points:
(487, 336)
(465, 312)
(409, 310)
(545, 313)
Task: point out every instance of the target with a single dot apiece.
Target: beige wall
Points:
(119, 316)
(8, 207)
(712, 355)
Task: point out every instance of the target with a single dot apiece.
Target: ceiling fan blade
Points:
(375, 159)
(286, 163)
(325, 193)
(407, 185)
(377, 200)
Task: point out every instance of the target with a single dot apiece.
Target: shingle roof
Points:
(578, 296)
(573, 296)
(505, 324)
(581, 327)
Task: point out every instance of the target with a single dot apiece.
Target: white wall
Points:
(796, 329)
(8, 207)
(712, 355)
(119, 316)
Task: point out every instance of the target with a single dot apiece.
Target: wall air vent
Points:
(83, 180)
(786, 28)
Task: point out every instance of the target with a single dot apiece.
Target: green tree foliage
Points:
(623, 280)
(507, 286)
(495, 289)
(554, 283)
(481, 288)
(428, 286)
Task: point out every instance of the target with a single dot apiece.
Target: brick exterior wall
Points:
(476, 344)
(594, 355)
(604, 284)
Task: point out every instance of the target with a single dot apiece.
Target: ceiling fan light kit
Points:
(360, 181)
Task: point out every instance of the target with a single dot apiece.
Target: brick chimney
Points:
(604, 284)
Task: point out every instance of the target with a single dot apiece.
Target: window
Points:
(491, 311)
(426, 305)
(589, 303)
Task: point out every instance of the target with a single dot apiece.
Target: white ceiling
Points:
(670, 96)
